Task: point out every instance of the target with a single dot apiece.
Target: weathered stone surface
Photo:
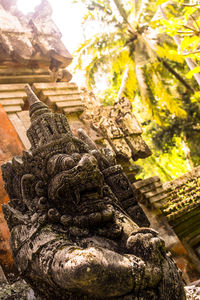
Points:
(77, 231)
(3, 279)
(118, 126)
(182, 210)
(67, 98)
(31, 49)
(192, 292)
(16, 291)
(62, 97)
(183, 204)
(12, 97)
(157, 198)
(150, 191)
(20, 127)
(21, 291)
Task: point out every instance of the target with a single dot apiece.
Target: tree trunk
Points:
(123, 84)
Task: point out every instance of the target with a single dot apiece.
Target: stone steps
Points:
(73, 110)
(12, 109)
(11, 87)
(12, 102)
(69, 104)
(38, 87)
(25, 78)
(70, 91)
(64, 97)
(68, 98)
(150, 191)
(12, 97)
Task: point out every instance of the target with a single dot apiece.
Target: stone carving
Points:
(77, 231)
(31, 45)
(118, 126)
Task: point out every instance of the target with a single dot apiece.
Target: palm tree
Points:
(130, 53)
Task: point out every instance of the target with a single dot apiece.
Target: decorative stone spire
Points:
(32, 98)
(45, 126)
(37, 107)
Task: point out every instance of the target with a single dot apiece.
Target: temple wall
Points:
(62, 97)
(11, 145)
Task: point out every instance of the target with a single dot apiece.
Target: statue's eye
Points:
(60, 162)
(67, 163)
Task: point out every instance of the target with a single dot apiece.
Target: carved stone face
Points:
(77, 199)
(75, 179)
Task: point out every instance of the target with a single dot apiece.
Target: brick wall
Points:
(10, 145)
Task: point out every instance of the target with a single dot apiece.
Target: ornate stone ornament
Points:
(77, 231)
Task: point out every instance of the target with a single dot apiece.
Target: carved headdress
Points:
(46, 127)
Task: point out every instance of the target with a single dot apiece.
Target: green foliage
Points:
(167, 165)
(183, 21)
(134, 51)
(168, 160)
(192, 72)
(129, 41)
(170, 53)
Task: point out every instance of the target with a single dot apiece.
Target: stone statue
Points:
(77, 231)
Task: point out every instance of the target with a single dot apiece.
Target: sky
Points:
(67, 16)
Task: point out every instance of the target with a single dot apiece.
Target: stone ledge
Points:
(37, 87)
(150, 191)
(142, 183)
(183, 179)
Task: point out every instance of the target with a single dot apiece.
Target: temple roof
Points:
(183, 201)
(29, 43)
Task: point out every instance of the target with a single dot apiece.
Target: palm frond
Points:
(123, 13)
(99, 45)
(166, 98)
(146, 93)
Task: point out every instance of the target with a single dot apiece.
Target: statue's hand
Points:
(146, 244)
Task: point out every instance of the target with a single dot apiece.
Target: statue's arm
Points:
(96, 271)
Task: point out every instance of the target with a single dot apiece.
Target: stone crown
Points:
(46, 126)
